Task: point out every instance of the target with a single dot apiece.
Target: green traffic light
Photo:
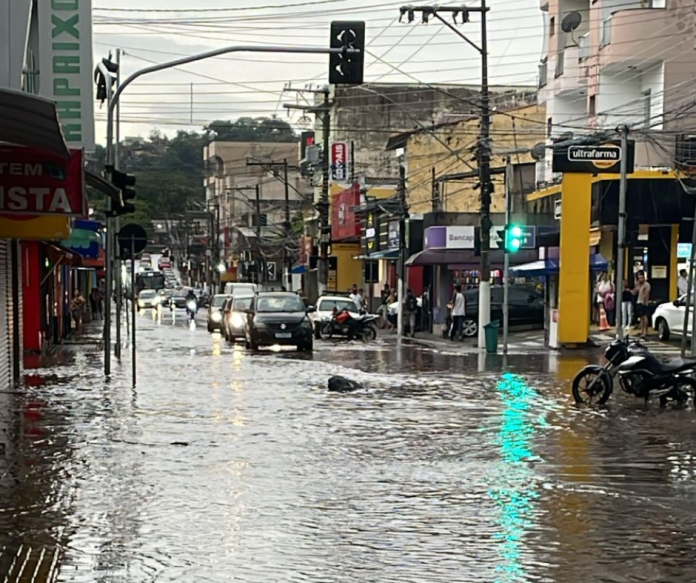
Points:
(514, 238)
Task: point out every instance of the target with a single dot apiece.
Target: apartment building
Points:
(613, 62)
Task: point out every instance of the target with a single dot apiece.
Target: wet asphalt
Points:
(222, 465)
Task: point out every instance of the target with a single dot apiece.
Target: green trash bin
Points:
(491, 331)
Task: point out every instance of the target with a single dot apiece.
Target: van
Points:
(243, 289)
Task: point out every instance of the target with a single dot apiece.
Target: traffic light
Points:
(347, 68)
(513, 238)
(101, 80)
(125, 183)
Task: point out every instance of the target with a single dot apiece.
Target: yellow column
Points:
(673, 262)
(574, 268)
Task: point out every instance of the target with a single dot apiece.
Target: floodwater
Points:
(225, 466)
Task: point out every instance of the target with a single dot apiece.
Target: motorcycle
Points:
(191, 309)
(364, 327)
(639, 374)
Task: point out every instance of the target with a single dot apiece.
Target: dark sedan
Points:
(278, 318)
(526, 307)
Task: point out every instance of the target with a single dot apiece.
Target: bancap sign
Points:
(450, 237)
(33, 182)
(586, 159)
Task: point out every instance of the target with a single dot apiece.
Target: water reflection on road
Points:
(225, 466)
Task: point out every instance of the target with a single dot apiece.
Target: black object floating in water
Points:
(341, 384)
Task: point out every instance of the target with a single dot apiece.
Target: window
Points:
(259, 220)
(549, 127)
(593, 105)
(552, 26)
(647, 113)
(329, 305)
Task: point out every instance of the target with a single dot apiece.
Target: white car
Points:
(148, 299)
(324, 309)
(668, 319)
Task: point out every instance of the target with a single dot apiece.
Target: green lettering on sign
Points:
(68, 109)
(64, 4)
(66, 46)
(66, 65)
(72, 132)
(61, 26)
(61, 87)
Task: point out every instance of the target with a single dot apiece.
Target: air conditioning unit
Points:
(685, 151)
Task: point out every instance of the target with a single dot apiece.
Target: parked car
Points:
(178, 300)
(278, 318)
(234, 317)
(164, 263)
(234, 288)
(668, 319)
(215, 312)
(526, 307)
(325, 307)
(148, 299)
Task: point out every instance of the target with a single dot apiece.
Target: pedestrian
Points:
(354, 296)
(77, 308)
(682, 283)
(95, 303)
(410, 311)
(363, 301)
(385, 293)
(642, 293)
(383, 311)
(458, 313)
(606, 296)
(627, 306)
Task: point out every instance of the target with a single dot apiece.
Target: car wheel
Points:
(663, 332)
(317, 335)
(469, 328)
(211, 329)
(309, 347)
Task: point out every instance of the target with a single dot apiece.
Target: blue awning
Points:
(299, 269)
(544, 267)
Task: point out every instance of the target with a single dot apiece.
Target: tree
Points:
(252, 129)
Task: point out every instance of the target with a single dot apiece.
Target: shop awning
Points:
(29, 120)
(550, 267)
(464, 259)
(393, 254)
(59, 254)
(299, 269)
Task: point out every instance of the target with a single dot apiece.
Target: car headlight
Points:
(306, 324)
(237, 320)
(260, 325)
(141, 303)
(216, 317)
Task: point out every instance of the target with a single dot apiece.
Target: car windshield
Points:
(329, 305)
(148, 293)
(179, 294)
(284, 303)
(218, 301)
(241, 304)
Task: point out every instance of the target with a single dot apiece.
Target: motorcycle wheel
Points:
(601, 390)
(369, 333)
(326, 331)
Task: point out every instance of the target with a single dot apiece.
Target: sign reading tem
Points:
(583, 159)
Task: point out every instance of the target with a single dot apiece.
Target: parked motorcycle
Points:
(639, 373)
(343, 323)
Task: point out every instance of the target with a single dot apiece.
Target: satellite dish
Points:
(571, 21)
(538, 151)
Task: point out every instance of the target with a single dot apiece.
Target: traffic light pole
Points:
(116, 222)
(506, 260)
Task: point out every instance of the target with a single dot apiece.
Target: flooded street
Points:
(228, 466)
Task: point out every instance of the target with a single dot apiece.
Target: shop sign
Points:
(450, 237)
(586, 159)
(393, 239)
(684, 250)
(340, 158)
(371, 233)
(34, 182)
(344, 224)
(65, 62)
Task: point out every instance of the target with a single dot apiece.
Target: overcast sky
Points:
(250, 84)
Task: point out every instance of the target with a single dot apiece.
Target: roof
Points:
(29, 120)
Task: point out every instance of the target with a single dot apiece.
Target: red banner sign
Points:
(34, 182)
(344, 223)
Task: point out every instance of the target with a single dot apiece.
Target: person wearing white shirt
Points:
(355, 296)
(682, 283)
(458, 313)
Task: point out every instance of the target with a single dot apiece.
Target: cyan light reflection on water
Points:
(514, 492)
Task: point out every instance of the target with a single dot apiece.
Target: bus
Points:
(149, 280)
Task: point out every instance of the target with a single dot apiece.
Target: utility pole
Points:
(403, 252)
(117, 220)
(506, 265)
(621, 242)
(484, 146)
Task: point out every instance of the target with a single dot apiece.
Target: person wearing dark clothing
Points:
(410, 311)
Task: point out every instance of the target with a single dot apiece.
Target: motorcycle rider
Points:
(345, 318)
(191, 297)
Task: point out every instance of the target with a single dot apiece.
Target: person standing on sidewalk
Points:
(410, 311)
(642, 293)
(458, 313)
(682, 283)
(77, 309)
(626, 306)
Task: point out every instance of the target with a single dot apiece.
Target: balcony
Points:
(570, 76)
(633, 38)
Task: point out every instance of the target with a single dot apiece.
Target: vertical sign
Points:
(65, 66)
(340, 154)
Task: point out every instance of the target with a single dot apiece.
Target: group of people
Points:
(634, 300)
(78, 307)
